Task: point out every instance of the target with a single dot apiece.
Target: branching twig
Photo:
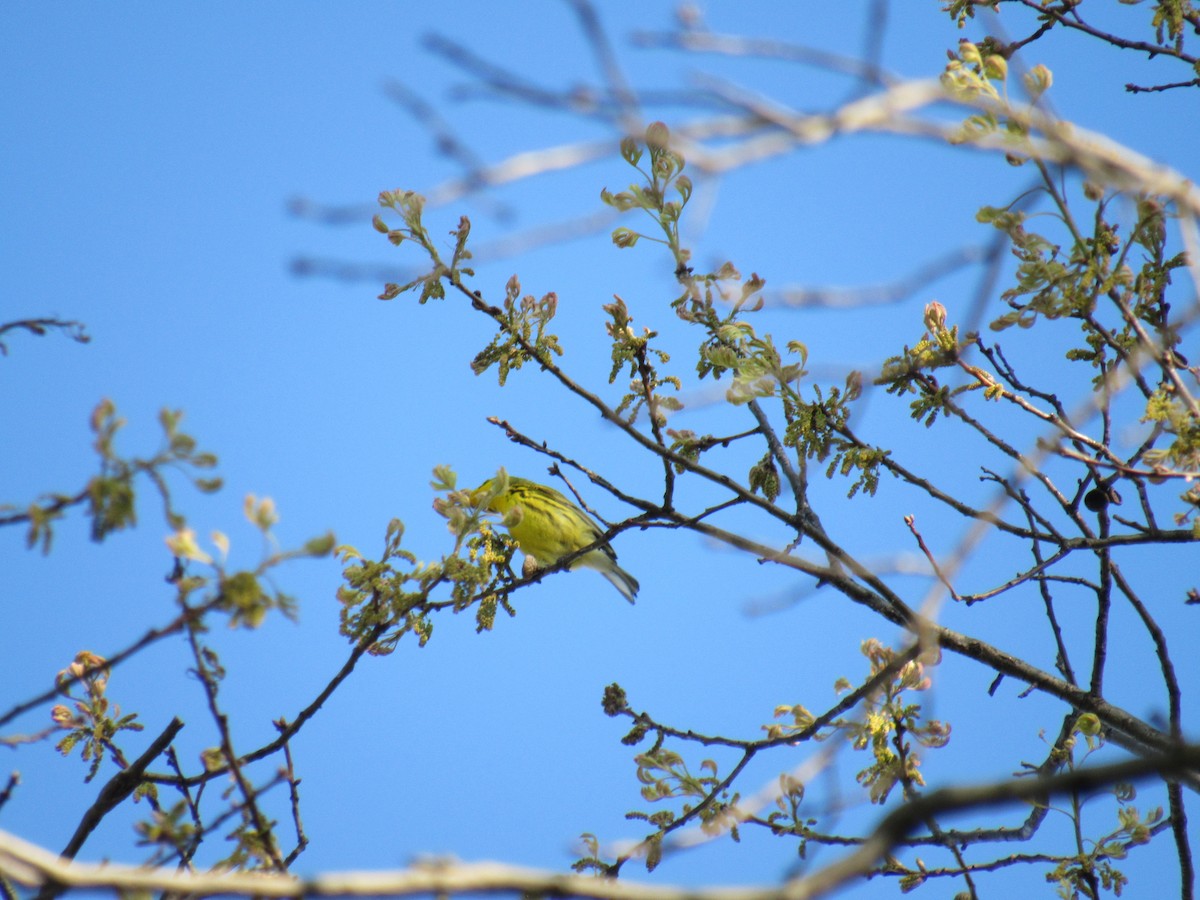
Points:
(119, 787)
(72, 329)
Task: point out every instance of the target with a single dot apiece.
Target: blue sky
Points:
(150, 155)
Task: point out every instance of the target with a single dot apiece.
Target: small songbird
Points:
(547, 526)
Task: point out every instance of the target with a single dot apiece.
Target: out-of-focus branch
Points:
(767, 129)
(74, 330)
(881, 294)
(506, 247)
(628, 111)
(893, 112)
(737, 45)
(445, 139)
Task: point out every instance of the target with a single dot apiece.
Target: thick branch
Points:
(119, 787)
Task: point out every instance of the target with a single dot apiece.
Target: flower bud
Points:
(658, 136)
(935, 317)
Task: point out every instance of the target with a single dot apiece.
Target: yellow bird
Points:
(547, 526)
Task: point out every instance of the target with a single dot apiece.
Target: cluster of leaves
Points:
(110, 495)
(1057, 285)
(911, 372)
(884, 725)
(173, 831)
(635, 351)
(1119, 305)
(92, 722)
(1182, 455)
(245, 595)
(385, 599)
(978, 73)
(887, 725)
(664, 179)
(522, 336)
(205, 584)
(664, 775)
(1092, 863)
(409, 205)
(719, 302)
(522, 320)
(1171, 20)
(889, 719)
(177, 831)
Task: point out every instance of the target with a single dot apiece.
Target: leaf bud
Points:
(658, 136)
(614, 701)
(624, 237)
(935, 317)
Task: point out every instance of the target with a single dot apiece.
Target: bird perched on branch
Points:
(547, 526)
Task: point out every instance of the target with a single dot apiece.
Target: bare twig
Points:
(14, 778)
(263, 834)
(289, 773)
(72, 329)
(1155, 88)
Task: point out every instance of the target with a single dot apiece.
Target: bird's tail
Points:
(621, 580)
